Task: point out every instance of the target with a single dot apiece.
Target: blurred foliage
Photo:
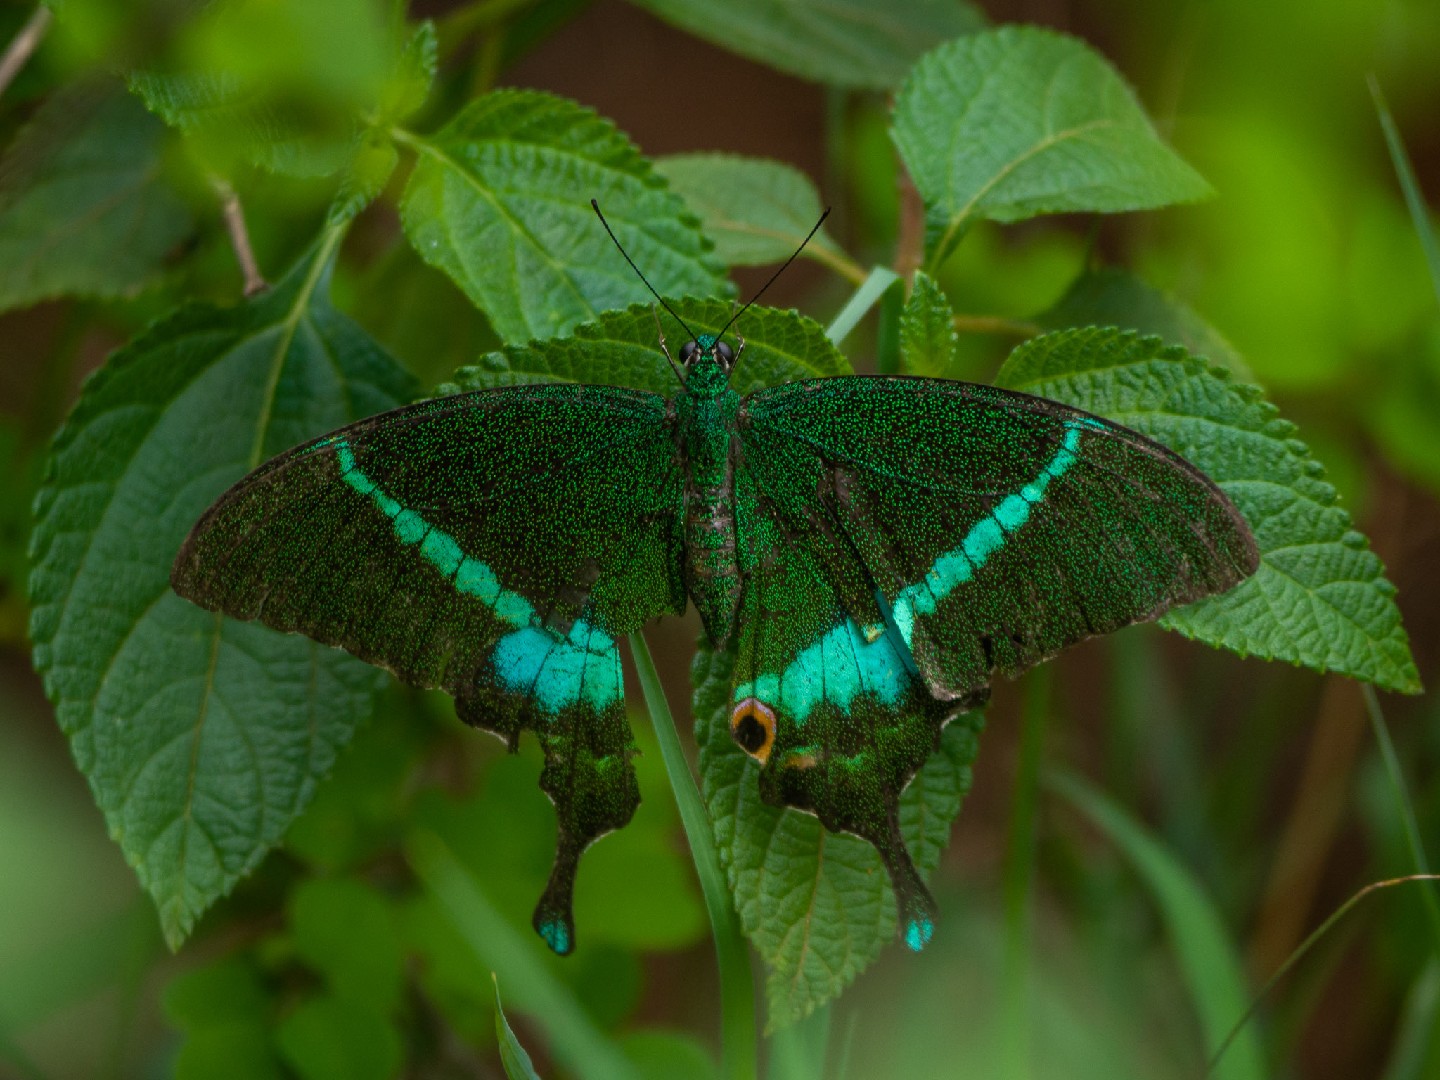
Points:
(1148, 917)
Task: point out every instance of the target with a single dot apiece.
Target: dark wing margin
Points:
(494, 544)
(902, 540)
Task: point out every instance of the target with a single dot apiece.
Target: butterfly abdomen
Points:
(712, 574)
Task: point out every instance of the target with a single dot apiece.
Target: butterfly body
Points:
(706, 414)
(872, 551)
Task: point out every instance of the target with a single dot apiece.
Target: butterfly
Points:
(873, 550)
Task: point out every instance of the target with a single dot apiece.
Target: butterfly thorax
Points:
(706, 412)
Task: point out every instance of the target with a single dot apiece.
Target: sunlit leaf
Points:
(202, 737)
(1320, 597)
(755, 210)
(1019, 121)
(500, 200)
(84, 207)
(854, 43)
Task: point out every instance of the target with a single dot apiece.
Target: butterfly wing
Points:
(920, 535)
(494, 544)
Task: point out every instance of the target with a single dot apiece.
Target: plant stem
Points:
(1304, 947)
(739, 1046)
(995, 324)
(239, 236)
(1018, 874)
(864, 298)
(574, 1039)
(23, 45)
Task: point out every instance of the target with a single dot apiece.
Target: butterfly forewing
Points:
(998, 528)
(495, 544)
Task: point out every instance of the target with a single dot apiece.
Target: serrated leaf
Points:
(1320, 598)
(84, 209)
(1113, 297)
(202, 737)
(226, 121)
(755, 210)
(500, 200)
(854, 43)
(513, 1058)
(621, 348)
(927, 329)
(369, 169)
(1015, 122)
(817, 905)
(409, 84)
(281, 86)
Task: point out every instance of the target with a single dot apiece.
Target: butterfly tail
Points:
(589, 776)
(914, 906)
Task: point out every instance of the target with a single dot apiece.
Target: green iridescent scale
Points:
(873, 549)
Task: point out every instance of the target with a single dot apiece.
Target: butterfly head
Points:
(707, 362)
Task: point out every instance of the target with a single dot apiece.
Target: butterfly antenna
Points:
(814, 229)
(596, 207)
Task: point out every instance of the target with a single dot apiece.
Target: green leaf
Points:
(854, 43)
(202, 737)
(499, 200)
(1207, 958)
(817, 905)
(756, 211)
(927, 329)
(1113, 297)
(348, 932)
(331, 1038)
(1320, 598)
(225, 1014)
(621, 348)
(1019, 121)
(409, 83)
(281, 86)
(369, 169)
(668, 1055)
(227, 123)
(513, 1058)
(84, 209)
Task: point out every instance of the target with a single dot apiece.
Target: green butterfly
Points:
(873, 549)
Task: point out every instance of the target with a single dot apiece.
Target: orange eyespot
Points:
(752, 726)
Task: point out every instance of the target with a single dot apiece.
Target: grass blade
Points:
(574, 1039)
(1404, 807)
(861, 301)
(1419, 215)
(737, 987)
(1207, 959)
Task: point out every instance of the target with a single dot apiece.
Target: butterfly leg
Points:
(660, 333)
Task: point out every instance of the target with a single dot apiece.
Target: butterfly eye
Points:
(725, 353)
(688, 351)
(752, 726)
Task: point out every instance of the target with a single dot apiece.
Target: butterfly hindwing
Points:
(835, 711)
(903, 539)
(494, 544)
